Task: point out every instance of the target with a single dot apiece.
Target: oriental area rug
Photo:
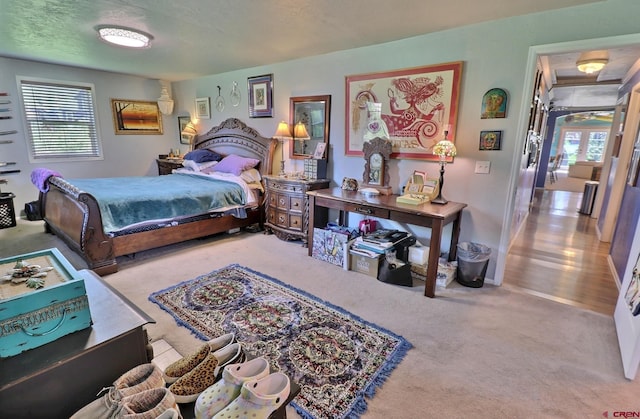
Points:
(336, 358)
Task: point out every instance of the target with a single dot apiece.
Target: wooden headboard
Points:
(233, 136)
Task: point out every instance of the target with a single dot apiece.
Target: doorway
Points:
(513, 209)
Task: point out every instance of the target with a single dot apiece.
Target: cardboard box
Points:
(364, 264)
(33, 317)
(446, 272)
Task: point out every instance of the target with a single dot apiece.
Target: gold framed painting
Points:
(136, 117)
(417, 104)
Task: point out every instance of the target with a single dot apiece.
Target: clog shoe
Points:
(189, 362)
(138, 379)
(188, 387)
(258, 398)
(219, 395)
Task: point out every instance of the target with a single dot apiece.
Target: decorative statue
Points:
(376, 127)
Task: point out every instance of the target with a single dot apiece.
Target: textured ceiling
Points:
(202, 37)
(194, 38)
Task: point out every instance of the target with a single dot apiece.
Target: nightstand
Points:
(166, 166)
(287, 206)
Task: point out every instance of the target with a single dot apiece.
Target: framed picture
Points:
(494, 104)
(135, 117)
(260, 96)
(490, 140)
(203, 108)
(319, 151)
(182, 122)
(417, 103)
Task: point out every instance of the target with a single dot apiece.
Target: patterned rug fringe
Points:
(359, 405)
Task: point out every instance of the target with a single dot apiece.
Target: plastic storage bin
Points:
(473, 259)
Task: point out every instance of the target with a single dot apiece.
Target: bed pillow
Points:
(202, 155)
(198, 167)
(235, 164)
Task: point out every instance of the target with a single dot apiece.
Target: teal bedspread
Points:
(127, 201)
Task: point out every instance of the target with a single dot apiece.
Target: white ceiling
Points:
(194, 38)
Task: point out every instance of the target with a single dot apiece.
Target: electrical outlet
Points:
(483, 167)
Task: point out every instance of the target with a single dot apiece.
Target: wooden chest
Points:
(32, 317)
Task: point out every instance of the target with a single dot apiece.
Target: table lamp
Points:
(300, 133)
(282, 134)
(443, 149)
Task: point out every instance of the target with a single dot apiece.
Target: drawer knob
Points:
(367, 211)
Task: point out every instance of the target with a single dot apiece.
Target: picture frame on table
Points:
(490, 140)
(203, 108)
(260, 96)
(136, 117)
(319, 151)
(417, 104)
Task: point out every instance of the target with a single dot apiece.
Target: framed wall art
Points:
(417, 103)
(490, 140)
(494, 104)
(203, 108)
(260, 96)
(136, 117)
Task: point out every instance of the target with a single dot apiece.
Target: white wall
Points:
(494, 54)
(124, 155)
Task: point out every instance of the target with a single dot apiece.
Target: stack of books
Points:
(378, 242)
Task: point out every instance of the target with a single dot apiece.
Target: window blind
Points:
(60, 120)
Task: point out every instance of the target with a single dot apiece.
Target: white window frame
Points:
(96, 152)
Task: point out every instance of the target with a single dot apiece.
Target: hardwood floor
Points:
(557, 255)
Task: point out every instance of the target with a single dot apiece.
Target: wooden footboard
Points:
(74, 216)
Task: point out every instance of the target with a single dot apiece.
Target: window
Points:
(60, 120)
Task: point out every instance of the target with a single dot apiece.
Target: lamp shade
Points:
(592, 61)
(283, 132)
(445, 148)
(189, 129)
(300, 132)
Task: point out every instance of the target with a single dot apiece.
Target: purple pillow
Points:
(202, 155)
(235, 164)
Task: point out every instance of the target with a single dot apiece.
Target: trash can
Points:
(7, 212)
(473, 259)
(588, 197)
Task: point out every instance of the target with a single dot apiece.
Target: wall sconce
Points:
(282, 134)
(592, 61)
(165, 103)
(189, 133)
(300, 133)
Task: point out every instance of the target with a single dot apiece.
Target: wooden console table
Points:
(384, 206)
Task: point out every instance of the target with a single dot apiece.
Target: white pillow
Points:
(251, 176)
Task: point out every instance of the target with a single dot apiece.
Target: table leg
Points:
(312, 224)
(434, 256)
(455, 233)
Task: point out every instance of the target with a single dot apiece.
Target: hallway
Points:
(558, 256)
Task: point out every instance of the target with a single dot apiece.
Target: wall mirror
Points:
(312, 113)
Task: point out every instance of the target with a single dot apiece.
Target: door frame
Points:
(521, 132)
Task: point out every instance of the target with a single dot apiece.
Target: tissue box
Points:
(446, 272)
(419, 255)
(33, 317)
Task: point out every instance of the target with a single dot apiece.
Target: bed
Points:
(75, 216)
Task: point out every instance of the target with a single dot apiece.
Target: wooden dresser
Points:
(166, 166)
(288, 206)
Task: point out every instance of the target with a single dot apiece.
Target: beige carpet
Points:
(491, 352)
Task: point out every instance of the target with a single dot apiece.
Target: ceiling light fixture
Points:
(592, 61)
(124, 37)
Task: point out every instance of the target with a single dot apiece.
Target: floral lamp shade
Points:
(445, 148)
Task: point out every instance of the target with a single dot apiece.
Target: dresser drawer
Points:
(282, 219)
(367, 210)
(285, 187)
(296, 203)
(295, 222)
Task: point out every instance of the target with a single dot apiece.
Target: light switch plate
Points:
(483, 167)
